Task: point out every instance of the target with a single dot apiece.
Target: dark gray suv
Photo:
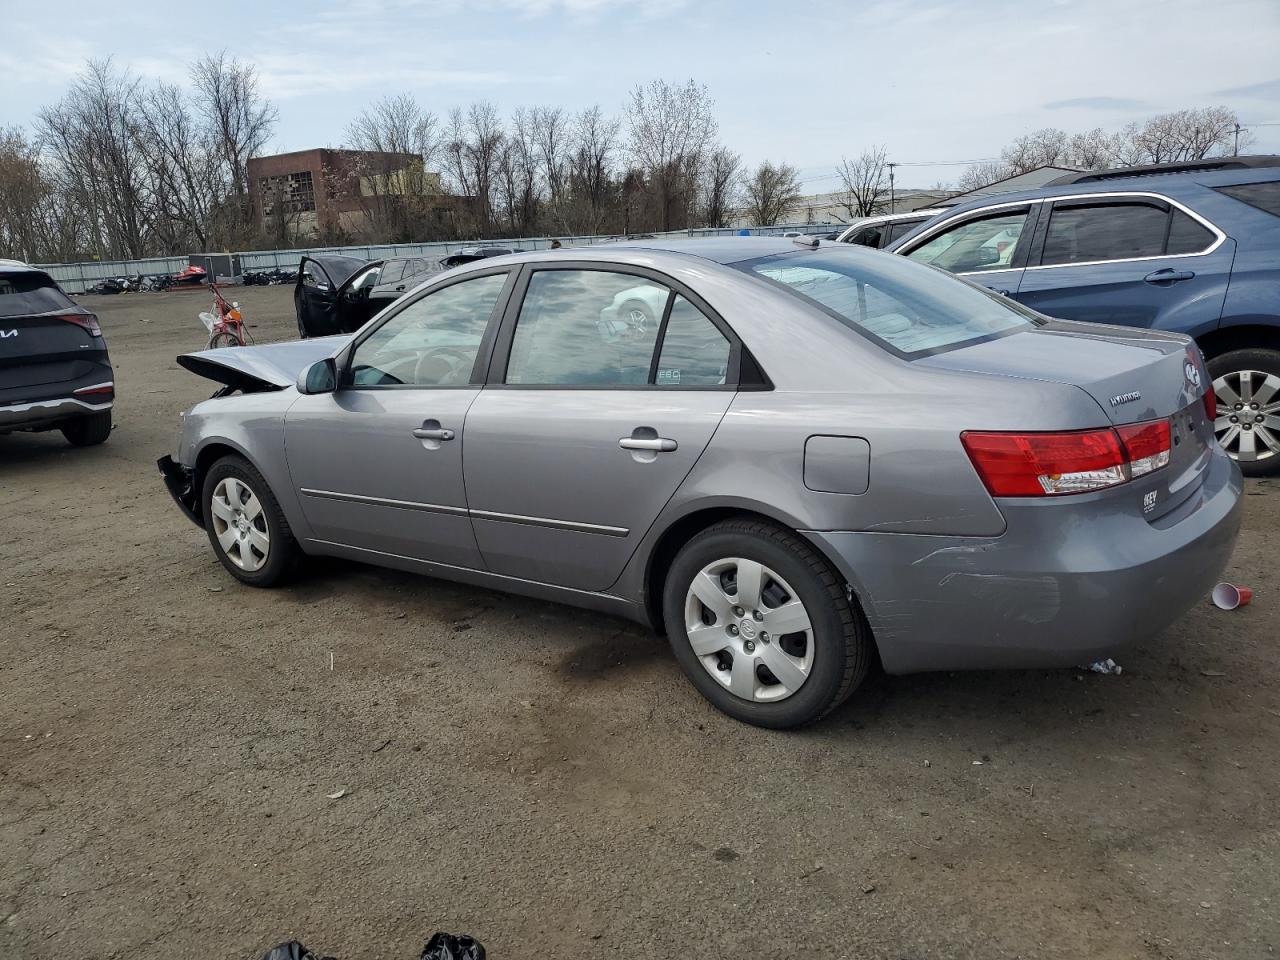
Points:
(54, 369)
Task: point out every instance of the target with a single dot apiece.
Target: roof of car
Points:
(717, 249)
(16, 265)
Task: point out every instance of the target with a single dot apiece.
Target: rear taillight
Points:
(87, 321)
(1211, 404)
(1053, 464)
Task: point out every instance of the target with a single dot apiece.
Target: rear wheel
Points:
(1247, 385)
(224, 339)
(762, 626)
(246, 526)
(88, 431)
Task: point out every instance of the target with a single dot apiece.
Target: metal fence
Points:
(79, 277)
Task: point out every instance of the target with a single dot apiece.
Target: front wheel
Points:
(1247, 385)
(247, 528)
(762, 625)
(224, 339)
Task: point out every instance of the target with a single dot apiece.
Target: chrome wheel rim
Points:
(1248, 422)
(239, 524)
(749, 630)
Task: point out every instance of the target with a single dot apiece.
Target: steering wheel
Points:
(444, 366)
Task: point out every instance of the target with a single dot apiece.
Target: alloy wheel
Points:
(1248, 423)
(240, 524)
(749, 629)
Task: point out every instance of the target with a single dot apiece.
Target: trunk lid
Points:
(274, 366)
(1133, 375)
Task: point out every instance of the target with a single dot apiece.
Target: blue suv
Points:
(1192, 248)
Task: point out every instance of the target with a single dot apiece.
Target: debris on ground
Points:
(338, 795)
(293, 950)
(1227, 596)
(447, 946)
(1212, 673)
(1107, 666)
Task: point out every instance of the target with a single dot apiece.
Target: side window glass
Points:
(694, 352)
(974, 246)
(901, 229)
(586, 328)
(363, 282)
(313, 277)
(392, 271)
(1113, 231)
(1187, 235)
(866, 237)
(432, 342)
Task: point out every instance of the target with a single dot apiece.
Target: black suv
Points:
(54, 369)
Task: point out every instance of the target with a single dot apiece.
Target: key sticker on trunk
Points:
(1149, 502)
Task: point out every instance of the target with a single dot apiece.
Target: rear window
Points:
(910, 310)
(26, 293)
(1265, 196)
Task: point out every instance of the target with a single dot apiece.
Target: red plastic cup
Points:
(1227, 596)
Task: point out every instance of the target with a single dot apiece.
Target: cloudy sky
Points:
(806, 81)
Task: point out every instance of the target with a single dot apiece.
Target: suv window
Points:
(392, 271)
(1080, 233)
(901, 228)
(1264, 196)
(974, 246)
(866, 237)
(694, 352)
(26, 292)
(432, 342)
(586, 328)
(1187, 235)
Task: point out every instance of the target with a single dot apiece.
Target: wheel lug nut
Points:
(764, 638)
(733, 629)
(1248, 426)
(1257, 419)
(748, 646)
(1239, 406)
(1235, 419)
(738, 611)
(757, 614)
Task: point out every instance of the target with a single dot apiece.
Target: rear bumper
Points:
(1059, 588)
(41, 413)
(181, 486)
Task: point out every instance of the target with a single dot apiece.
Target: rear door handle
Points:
(399, 288)
(1168, 276)
(433, 433)
(657, 444)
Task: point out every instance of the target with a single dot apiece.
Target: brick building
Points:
(320, 193)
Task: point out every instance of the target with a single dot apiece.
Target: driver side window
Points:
(975, 246)
(432, 342)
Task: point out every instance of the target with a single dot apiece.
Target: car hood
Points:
(274, 366)
(1133, 374)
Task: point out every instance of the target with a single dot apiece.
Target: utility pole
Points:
(892, 198)
(1235, 150)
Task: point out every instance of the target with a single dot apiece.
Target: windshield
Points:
(910, 310)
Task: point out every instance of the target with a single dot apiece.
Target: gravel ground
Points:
(545, 780)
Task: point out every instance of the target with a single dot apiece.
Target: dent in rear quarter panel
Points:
(253, 425)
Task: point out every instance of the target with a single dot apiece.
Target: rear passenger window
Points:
(694, 352)
(901, 229)
(866, 237)
(586, 328)
(392, 271)
(1111, 231)
(1187, 235)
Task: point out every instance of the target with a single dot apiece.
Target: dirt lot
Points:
(545, 779)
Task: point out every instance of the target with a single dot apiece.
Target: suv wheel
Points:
(89, 430)
(1247, 384)
(762, 626)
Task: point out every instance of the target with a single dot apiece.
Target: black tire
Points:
(1227, 366)
(227, 339)
(282, 554)
(89, 430)
(842, 641)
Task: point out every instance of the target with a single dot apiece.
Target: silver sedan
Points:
(805, 459)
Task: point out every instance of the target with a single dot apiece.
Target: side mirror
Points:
(320, 377)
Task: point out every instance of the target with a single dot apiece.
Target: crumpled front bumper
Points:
(181, 485)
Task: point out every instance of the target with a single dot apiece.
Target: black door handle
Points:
(399, 288)
(1003, 293)
(1168, 276)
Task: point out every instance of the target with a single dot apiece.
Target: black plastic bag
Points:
(293, 950)
(446, 946)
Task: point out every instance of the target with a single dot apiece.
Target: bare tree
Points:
(721, 177)
(471, 151)
(771, 192)
(592, 184)
(864, 182)
(25, 198)
(240, 118)
(1186, 135)
(549, 129)
(398, 140)
(671, 127)
(982, 174)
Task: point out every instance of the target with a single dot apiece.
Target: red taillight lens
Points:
(1052, 464)
(1211, 404)
(85, 320)
(1147, 445)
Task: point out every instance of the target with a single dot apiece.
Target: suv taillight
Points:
(85, 320)
(1076, 461)
(1211, 404)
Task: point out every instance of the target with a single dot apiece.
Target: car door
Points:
(358, 300)
(591, 419)
(390, 280)
(1132, 259)
(988, 245)
(378, 462)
